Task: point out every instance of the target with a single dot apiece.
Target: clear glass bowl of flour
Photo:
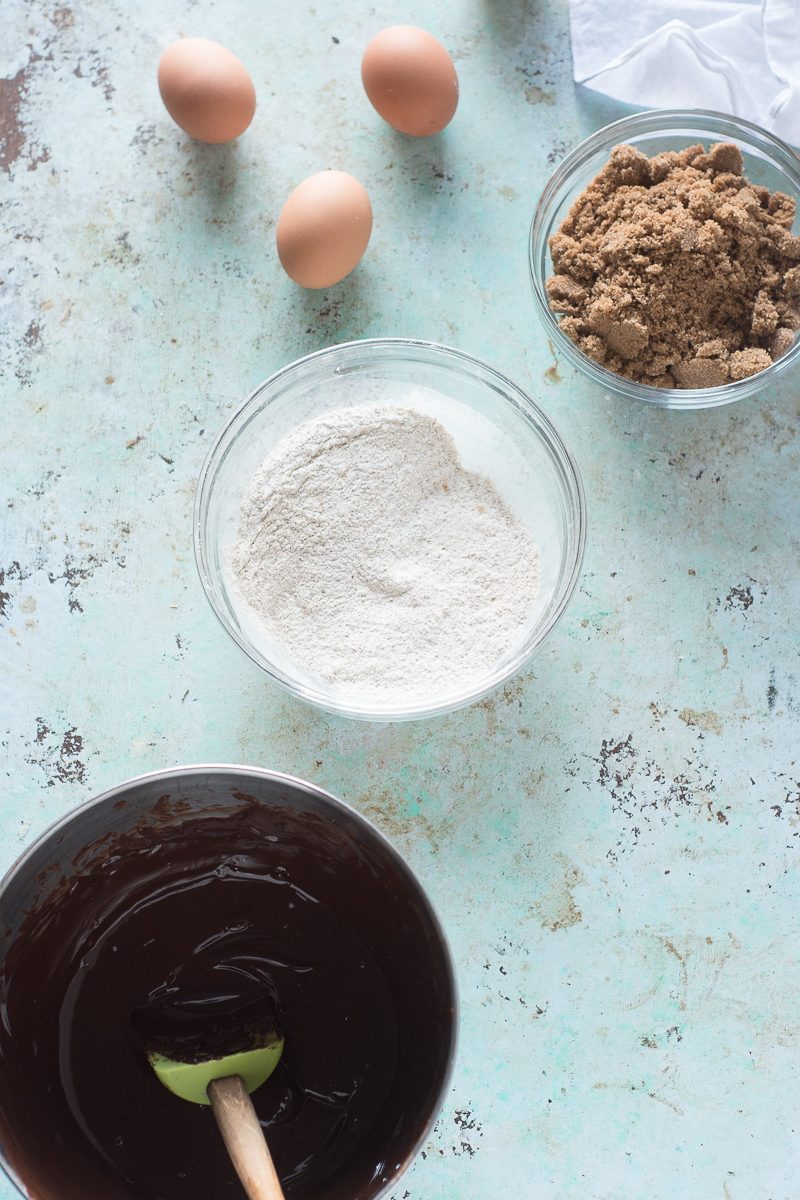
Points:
(498, 433)
(768, 162)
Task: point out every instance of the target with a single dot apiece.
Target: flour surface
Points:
(377, 561)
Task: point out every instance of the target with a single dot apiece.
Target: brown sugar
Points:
(676, 271)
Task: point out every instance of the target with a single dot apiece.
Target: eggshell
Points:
(324, 229)
(410, 80)
(206, 90)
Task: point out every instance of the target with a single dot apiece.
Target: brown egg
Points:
(324, 229)
(206, 90)
(410, 79)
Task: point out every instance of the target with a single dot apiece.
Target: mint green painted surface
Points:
(613, 841)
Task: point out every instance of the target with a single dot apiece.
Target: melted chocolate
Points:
(192, 929)
(193, 1027)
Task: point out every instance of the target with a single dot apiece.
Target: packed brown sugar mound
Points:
(676, 271)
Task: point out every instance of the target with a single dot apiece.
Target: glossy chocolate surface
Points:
(171, 930)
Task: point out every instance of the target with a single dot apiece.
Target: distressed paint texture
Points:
(613, 839)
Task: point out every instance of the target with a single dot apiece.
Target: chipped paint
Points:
(12, 130)
(58, 756)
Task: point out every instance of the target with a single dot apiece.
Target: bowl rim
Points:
(241, 771)
(510, 392)
(780, 154)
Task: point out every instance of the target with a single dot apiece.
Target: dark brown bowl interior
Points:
(335, 854)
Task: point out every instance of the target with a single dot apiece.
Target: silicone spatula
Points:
(225, 1083)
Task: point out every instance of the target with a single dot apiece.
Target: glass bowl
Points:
(767, 161)
(498, 431)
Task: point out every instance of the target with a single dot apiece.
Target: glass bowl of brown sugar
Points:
(665, 258)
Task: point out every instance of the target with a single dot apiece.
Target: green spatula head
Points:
(190, 1080)
(190, 1041)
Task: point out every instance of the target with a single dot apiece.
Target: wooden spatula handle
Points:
(244, 1138)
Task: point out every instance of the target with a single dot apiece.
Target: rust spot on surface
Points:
(513, 692)
(390, 815)
(537, 95)
(671, 948)
(12, 131)
(708, 721)
(551, 374)
(13, 134)
(63, 18)
(557, 910)
(487, 704)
